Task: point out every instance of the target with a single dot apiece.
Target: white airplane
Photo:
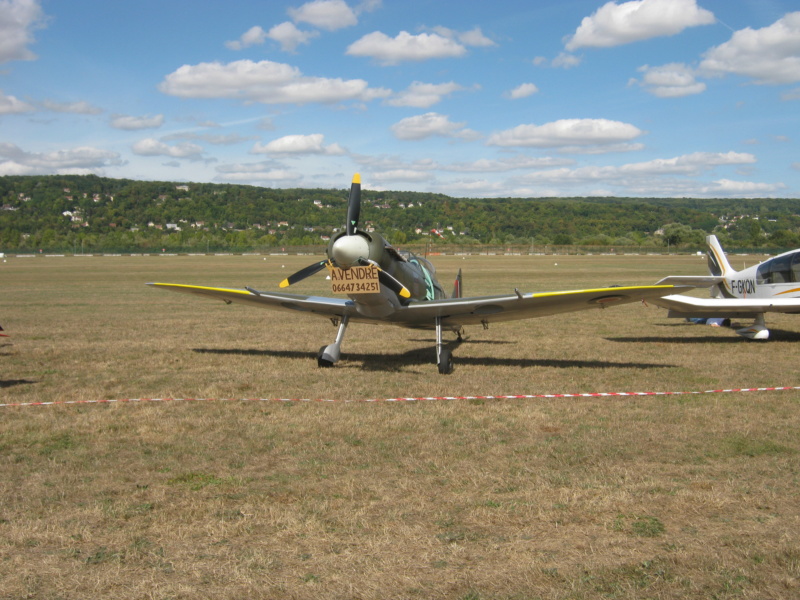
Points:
(771, 286)
(388, 286)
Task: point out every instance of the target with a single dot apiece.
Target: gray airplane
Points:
(380, 284)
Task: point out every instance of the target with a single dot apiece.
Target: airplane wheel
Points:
(323, 362)
(446, 362)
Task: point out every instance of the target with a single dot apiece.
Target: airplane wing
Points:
(691, 280)
(687, 306)
(516, 306)
(453, 312)
(319, 305)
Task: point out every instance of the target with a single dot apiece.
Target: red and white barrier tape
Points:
(420, 399)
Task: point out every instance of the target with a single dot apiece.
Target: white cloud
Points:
(129, 123)
(791, 94)
(671, 81)
(405, 47)
(78, 108)
(428, 125)
(663, 176)
(485, 165)
(252, 37)
(565, 61)
(265, 172)
(423, 95)
(473, 37)
(368, 6)
(325, 14)
(400, 175)
(522, 91)
(687, 164)
(266, 82)
(154, 147)
(482, 165)
(298, 144)
(742, 188)
(616, 24)
(770, 55)
(11, 105)
(18, 19)
(568, 133)
(217, 140)
(73, 160)
(289, 36)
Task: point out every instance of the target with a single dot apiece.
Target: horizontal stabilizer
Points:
(688, 306)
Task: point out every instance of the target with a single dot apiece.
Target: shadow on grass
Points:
(709, 335)
(7, 383)
(426, 356)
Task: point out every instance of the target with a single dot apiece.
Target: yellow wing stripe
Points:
(636, 288)
(202, 287)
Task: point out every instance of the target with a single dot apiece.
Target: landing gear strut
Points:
(329, 355)
(444, 358)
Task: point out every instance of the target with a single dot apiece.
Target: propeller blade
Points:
(394, 285)
(388, 280)
(354, 205)
(303, 273)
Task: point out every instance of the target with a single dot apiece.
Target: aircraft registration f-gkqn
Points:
(771, 286)
(386, 285)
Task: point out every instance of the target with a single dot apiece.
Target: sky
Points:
(509, 98)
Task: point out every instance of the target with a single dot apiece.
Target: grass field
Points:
(685, 496)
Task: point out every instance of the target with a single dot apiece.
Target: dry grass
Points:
(630, 497)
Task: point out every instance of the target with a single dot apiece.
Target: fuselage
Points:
(416, 273)
(777, 277)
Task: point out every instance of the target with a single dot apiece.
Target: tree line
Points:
(90, 213)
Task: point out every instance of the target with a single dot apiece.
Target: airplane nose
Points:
(348, 249)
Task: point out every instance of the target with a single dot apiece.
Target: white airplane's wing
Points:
(452, 312)
(687, 306)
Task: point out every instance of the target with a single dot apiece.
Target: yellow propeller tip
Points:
(284, 283)
(405, 293)
(357, 179)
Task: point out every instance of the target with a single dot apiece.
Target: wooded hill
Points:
(62, 213)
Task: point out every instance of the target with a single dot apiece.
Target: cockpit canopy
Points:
(781, 269)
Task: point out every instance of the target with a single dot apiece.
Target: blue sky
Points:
(653, 98)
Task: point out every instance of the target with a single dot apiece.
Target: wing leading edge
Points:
(451, 312)
(517, 306)
(320, 305)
